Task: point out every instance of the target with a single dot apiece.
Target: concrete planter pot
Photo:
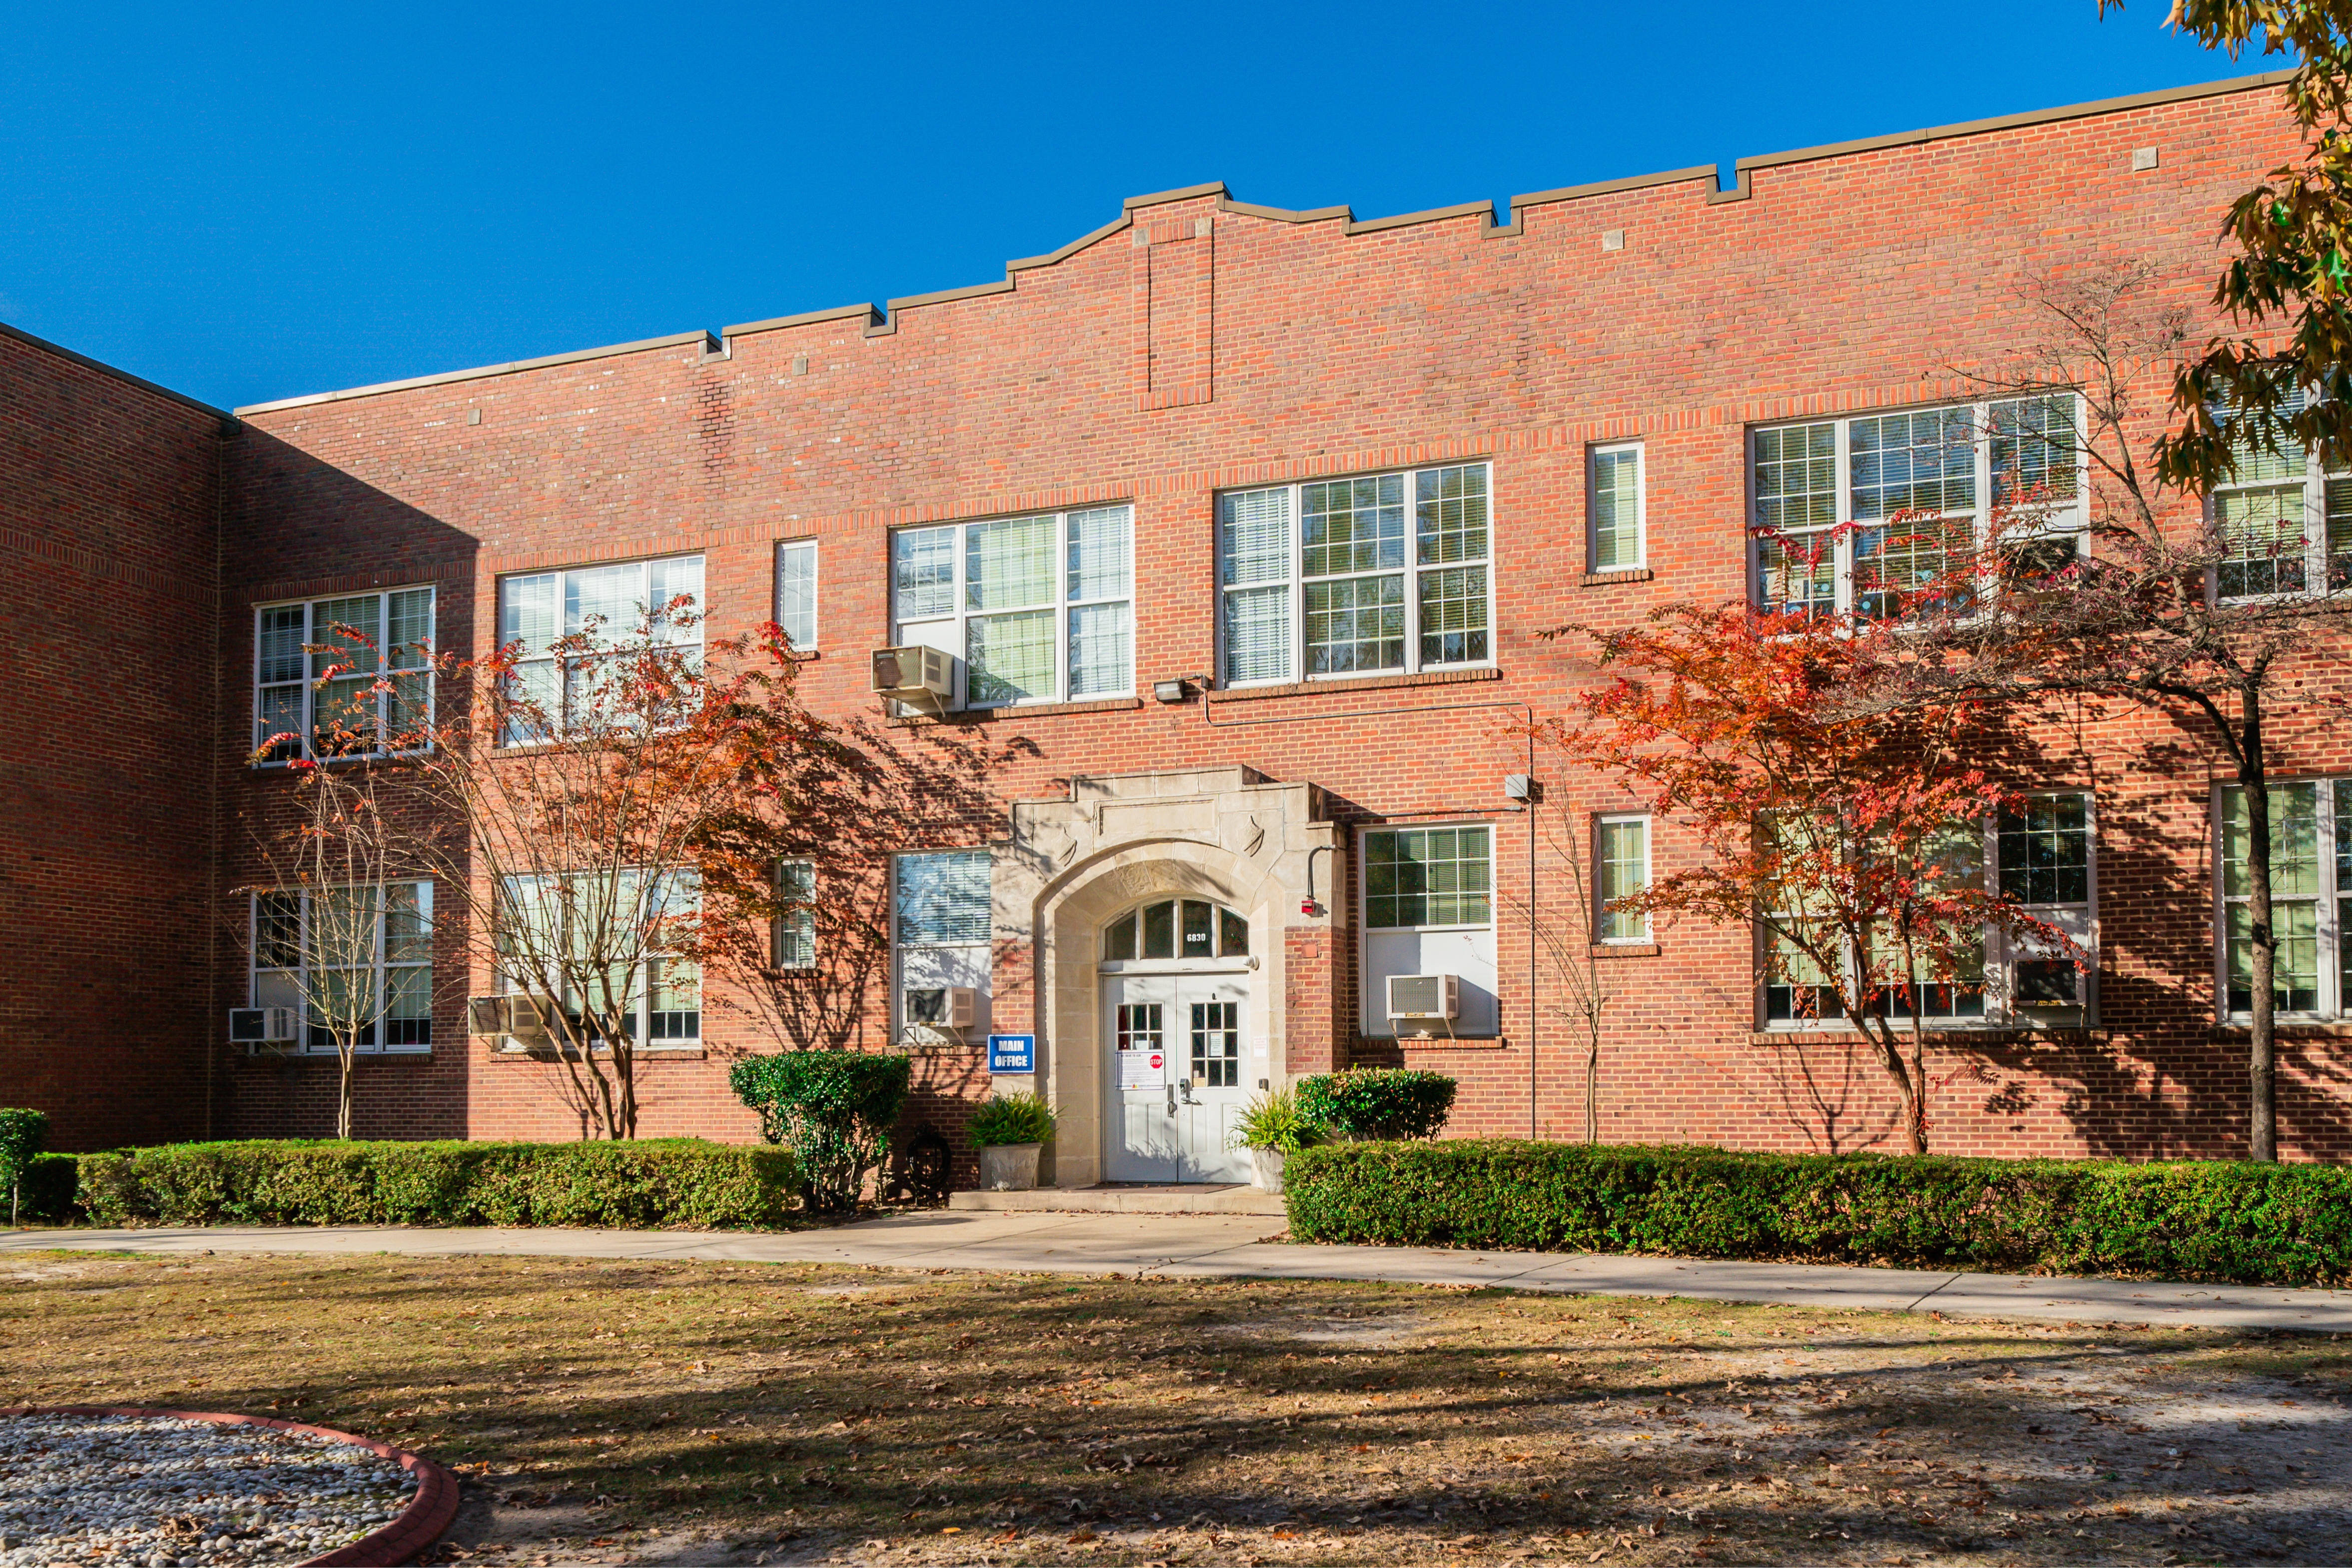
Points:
(1266, 1169)
(1009, 1167)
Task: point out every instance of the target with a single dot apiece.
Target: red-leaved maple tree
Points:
(1852, 844)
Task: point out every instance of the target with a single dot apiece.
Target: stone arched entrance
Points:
(1224, 836)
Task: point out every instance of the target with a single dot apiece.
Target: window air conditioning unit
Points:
(922, 676)
(524, 1018)
(2048, 983)
(260, 1026)
(943, 1007)
(1425, 997)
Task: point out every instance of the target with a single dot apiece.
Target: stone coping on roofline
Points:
(883, 321)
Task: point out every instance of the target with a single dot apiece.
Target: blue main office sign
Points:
(1013, 1053)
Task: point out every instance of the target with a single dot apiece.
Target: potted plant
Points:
(1273, 1128)
(1009, 1131)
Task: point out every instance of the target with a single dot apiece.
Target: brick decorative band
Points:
(419, 1525)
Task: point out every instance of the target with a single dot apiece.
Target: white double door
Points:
(1177, 1049)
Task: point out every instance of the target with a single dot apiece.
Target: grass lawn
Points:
(744, 1413)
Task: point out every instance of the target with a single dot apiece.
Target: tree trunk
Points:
(1592, 1091)
(1909, 1081)
(2262, 1101)
(345, 1051)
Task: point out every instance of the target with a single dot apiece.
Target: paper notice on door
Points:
(1142, 1068)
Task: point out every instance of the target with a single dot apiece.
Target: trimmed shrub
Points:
(1008, 1119)
(2236, 1223)
(46, 1190)
(833, 1109)
(22, 1134)
(1378, 1101)
(643, 1184)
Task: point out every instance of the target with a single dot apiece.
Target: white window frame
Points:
(316, 632)
(2320, 558)
(641, 1022)
(951, 632)
(2066, 522)
(1296, 582)
(969, 962)
(798, 924)
(2002, 952)
(304, 1044)
(798, 550)
(1373, 1022)
(1641, 507)
(560, 699)
(2333, 894)
(1600, 825)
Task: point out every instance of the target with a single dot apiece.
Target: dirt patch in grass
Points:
(748, 1413)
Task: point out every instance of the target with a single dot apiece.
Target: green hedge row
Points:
(47, 1193)
(2242, 1224)
(648, 1184)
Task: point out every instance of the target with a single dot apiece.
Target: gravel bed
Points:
(131, 1490)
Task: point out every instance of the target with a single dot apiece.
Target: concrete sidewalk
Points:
(1218, 1245)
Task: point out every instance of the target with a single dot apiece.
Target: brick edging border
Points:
(420, 1524)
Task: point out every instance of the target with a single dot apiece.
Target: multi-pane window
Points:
(604, 604)
(2044, 856)
(1859, 515)
(1428, 908)
(1428, 876)
(796, 915)
(1382, 572)
(1039, 609)
(1796, 987)
(1618, 504)
(1623, 858)
(343, 678)
(602, 937)
(2311, 899)
(940, 917)
(1176, 928)
(2285, 521)
(796, 591)
(348, 958)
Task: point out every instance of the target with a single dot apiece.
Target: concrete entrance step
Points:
(1188, 1197)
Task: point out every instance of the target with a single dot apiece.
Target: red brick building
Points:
(1235, 527)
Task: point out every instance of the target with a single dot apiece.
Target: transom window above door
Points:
(1386, 572)
(1176, 928)
(1039, 609)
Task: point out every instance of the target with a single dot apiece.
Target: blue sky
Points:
(250, 202)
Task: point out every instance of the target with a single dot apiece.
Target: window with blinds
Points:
(1618, 508)
(795, 931)
(796, 591)
(1380, 573)
(1039, 609)
(943, 899)
(2285, 523)
(343, 678)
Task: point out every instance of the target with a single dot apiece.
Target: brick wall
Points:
(109, 493)
(1265, 347)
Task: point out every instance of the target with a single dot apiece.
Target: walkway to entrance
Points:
(1220, 1245)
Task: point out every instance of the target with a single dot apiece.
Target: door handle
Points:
(1172, 1099)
